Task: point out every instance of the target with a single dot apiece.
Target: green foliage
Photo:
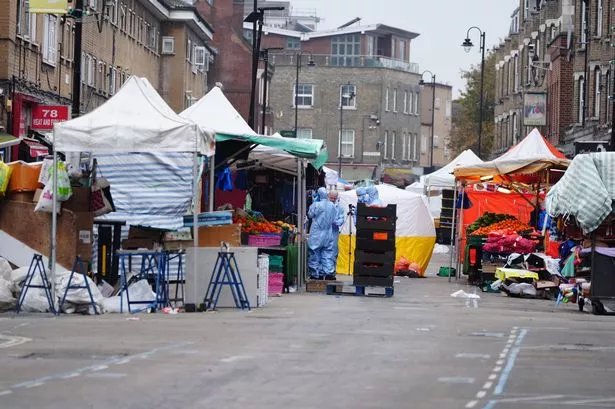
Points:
(464, 132)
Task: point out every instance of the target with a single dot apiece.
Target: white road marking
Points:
(122, 362)
(487, 385)
(497, 369)
(71, 375)
(481, 394)
(6, 392)
(32, 385)
(235, 358)
(12, 341)
(99, 368)
(492, 377)
(106, 375)
(500, 362)
(502, 355)
(473, 356)
(533, 398)
(583, 402)
(471, 404)
(456, 380)
(488, 334)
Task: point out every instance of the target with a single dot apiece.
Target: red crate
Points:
(264, 240)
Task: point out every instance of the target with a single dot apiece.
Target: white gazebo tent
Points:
(135, 119)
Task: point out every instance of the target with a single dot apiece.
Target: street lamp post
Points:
(467, 45)
(433, 111)
(348, 96)
(310, 64)
(265, 54)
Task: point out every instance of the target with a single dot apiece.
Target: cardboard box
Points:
(212, 236)
(37, 195)
(136, 232)
(20, 196)
(79, 202)
(178, 244)
(543, 284)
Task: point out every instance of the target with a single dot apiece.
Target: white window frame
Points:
(50, 39)
(526, 9)
(449, 109)
(583, 35)
(403, 146)
(290, 43)
(411, 103)
(393, 137)
(168, 45)
(112, 80)
(405, 102)
(385, 140)
(348, 103)
(111, 11)
(345, 143)
(299, 95)
(599, 18)
(88, 68)
(386, 100)
(304, 133)
(416, 103)
(200, 57)
(597, 80)
(395, 100)
(581, 98)
(415, 155)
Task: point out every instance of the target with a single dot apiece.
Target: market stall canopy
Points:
(533, 154)
(444, 177)
(135, 119)
(415, 233)
(6, 140)
(215, 111)
(586, 191)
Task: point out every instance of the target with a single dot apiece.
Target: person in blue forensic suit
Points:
(361, 195)
(330, 256)
(374, 198)
(323, 215)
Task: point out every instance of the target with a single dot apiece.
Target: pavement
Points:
(419, 349)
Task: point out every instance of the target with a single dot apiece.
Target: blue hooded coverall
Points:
(323, 215)
(330, 258)
(374, 198)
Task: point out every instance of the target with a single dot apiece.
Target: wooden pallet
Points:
(359, 290)
(317, 286)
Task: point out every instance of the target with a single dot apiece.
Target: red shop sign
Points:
(44, 116)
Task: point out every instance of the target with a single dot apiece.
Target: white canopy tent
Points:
(135, 119)
(444, 177)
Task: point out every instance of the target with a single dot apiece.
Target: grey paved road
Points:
(420, 349)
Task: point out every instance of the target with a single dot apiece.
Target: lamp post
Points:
(349, 97)
(467, 45)
(309, 64)
(433, 111)
(265, 54)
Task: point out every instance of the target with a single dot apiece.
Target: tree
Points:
(464, 132)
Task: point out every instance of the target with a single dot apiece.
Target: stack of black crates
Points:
(443, 233)
(374, 260)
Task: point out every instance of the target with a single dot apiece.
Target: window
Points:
(123, 17)
(168, 45)
(385, 144)
(131, 22)
(292, 43)
(516, 73)
(599, 18)
(348, 143)
(193, 58)
(401, 52)
(200, 55)
(403, 146)
(416, 103)
(411, 103)
(515, 128)
(112, 80)
(304, 133)
(347, 96)
(437, 103)
(393, 137)
(92, 73)
(111, 11)
(370, 46)
(394, 100)
(346, 50)
(597, 78)
(449, 109)
(304, 96)
(386, 100)
(189, 50)
(50, 40)
(423, 144)
(583, 26)
(415, 148)
(526, 9)
(247, 34)
(607, 82)
(581, 99)
(405, 102)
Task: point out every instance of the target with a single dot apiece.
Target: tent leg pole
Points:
(299, 225)
(453, 235)
(460, 229)
(212, 182)
(195, 209)
(54, 228)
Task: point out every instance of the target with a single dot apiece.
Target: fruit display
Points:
(255, 223)
(508, 241)
(508, 224)
(487, 220)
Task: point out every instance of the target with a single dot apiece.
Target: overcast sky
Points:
(442, 25)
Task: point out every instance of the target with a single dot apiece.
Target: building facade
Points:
(361, 95)
(166, 42)
(554, 72)
(442, 123)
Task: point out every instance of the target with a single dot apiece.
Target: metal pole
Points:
(54, 226)
(297, 92)
(256, 46)
(339, 149)
(299, 230)
(212, 182)
(433, 117)
(76, 108)
(453, 234)
(264, 105)
(482, 95)
(586, 74)
(195, 210)
(612, 145)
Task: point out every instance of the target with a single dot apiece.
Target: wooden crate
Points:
(317, 286)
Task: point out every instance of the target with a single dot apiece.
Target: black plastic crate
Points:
(362, 256)
(375, 245)
(383, 224)
(375, 235)
(373, 281)
(603, 276)
(447, 193)
(389, 211)
(373, 269)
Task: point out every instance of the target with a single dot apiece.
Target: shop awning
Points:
(6, 140)
(312, 149)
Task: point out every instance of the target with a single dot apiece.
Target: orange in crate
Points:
(381, 236)
(24, 176)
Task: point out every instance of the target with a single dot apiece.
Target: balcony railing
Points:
(362, 61)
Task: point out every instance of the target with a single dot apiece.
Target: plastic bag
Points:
(5, 176)
(403, 264)
(45, 202)
(43, 177)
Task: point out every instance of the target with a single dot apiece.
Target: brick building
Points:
(442, 123)
(166, 42)
(381, 123)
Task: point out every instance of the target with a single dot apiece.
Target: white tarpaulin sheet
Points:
(135, 119)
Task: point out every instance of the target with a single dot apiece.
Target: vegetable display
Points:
(253, 223)
(487, 220)
(510, 224)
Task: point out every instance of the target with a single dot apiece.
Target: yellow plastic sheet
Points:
(504, 273)
(415, 249)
